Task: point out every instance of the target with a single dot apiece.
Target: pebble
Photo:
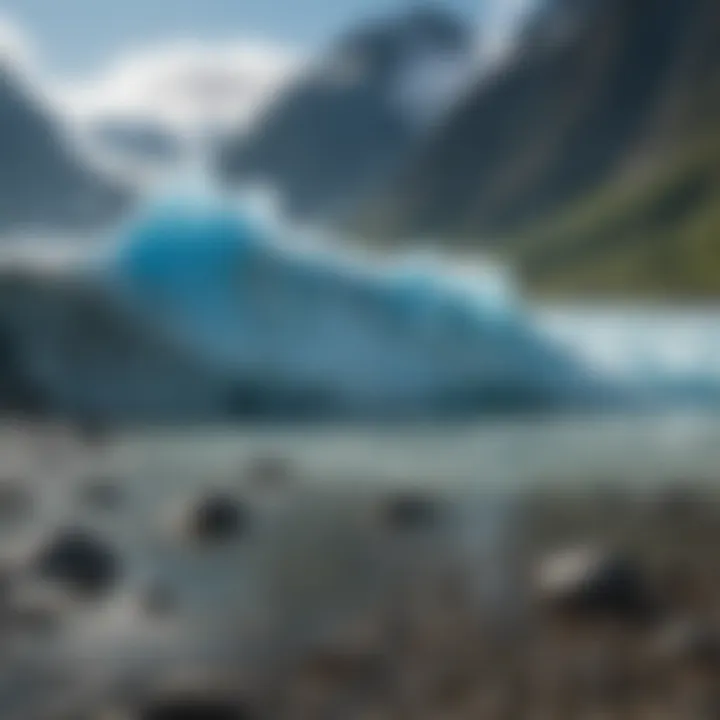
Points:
(102, 494)
(16, 500)
(269, 472)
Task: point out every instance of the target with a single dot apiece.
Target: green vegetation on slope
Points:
(655, 235)
(586, 160)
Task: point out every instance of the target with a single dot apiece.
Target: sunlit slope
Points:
(657, 234)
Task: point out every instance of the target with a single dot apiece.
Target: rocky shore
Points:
(259, 592)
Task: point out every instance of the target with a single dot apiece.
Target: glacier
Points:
(312, 327)
(202, 308)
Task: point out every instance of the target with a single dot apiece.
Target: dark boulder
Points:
(594, 584)
(80, 560)
(195, 707)
(216, 518)
(410, 512)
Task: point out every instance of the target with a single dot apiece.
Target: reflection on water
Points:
(486, 454)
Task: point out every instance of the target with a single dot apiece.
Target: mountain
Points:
(355, 114)
(594, 139)
(44, 184)
(136, 141)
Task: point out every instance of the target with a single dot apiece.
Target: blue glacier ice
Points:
(316, 325)
(203, 308)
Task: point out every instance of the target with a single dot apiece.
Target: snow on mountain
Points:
(428, 81)
(346, 123)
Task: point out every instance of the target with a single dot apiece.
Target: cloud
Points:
(15, 48)
(185, 85)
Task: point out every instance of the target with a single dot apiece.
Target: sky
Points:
(76, 35)
(188, 63)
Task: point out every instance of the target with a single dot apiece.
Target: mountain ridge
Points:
(615, 103)
(329, 139)
(44, 183)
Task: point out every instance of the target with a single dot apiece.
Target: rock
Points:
(195, 707)
(102, 494)
(36, 616)
(32, 609)
(410, 512)
(159, 601)
(79, 560)
(677, 503)
(16, 500)
(91, 430)
(216, 518)
(269, 472)
(340, 666)
(691, 643)
(591, 583)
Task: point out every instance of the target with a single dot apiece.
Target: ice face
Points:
(238, 294)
